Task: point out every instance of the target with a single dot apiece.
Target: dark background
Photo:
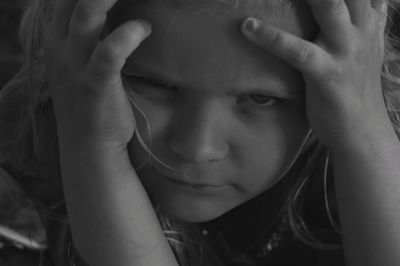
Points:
(10, 52)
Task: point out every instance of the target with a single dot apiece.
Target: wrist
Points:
(370, 139)
(362, 131)
(85, 158)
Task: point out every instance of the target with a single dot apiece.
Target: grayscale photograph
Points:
(199, 132)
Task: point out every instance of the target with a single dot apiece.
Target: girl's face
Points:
(226, 115)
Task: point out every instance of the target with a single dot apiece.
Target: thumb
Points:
(110, 55)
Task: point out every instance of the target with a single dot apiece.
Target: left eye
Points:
(259, 99)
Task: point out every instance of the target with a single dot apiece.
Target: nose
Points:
(199, 134)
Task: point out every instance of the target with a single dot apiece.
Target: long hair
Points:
(34, 149)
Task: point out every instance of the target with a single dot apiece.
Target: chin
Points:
(190, 204)
(193, 212)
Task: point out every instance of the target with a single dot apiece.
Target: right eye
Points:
(149, 88)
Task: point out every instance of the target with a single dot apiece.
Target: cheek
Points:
(152, 122)
(266, 151)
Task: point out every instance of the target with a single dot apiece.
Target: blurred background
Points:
(10, 51)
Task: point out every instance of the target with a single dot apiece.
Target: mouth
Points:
(180, 182)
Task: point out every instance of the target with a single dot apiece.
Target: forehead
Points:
(236, 3)
(291, 15)
(200, 41)
(243, 5)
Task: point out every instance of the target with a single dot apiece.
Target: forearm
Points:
(367, 173)
(111, 218)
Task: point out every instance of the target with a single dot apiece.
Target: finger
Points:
(380, 5)
(87, 22)
(359, 11)
(62, 13)
(305, 56)
(110, 55)
(334, 21)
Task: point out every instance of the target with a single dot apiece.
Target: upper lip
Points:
(180, 179)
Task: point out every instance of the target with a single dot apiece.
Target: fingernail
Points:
(146, 23)
(251, 24)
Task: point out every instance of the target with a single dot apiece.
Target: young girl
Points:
(196, 132)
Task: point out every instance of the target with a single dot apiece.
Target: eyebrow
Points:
(276, 4)
(270, 3)
(258, 3)
(258, 85)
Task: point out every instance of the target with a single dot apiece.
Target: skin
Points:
(344, 107)
(212, 129)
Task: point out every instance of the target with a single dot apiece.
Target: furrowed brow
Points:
(232, 3)
(258, 85)
(258, 3)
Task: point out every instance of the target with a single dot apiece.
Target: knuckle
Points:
(333, 76)
(301, 53)
(278, 39)
(83, 10)
(108, 52)
(93, 85)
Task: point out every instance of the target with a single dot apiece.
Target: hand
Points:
(111, 218)
(341, 68)
(89, 101)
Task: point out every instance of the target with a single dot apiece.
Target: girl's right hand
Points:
(111, 218)
(89, 101)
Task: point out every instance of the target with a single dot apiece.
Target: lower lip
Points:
(195, 188)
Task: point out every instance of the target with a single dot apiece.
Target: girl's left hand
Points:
(341, 68)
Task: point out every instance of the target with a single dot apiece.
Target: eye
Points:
(148, 87)
(259, 100)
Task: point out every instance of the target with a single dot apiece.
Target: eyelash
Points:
(243, 99)
(251, 99)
